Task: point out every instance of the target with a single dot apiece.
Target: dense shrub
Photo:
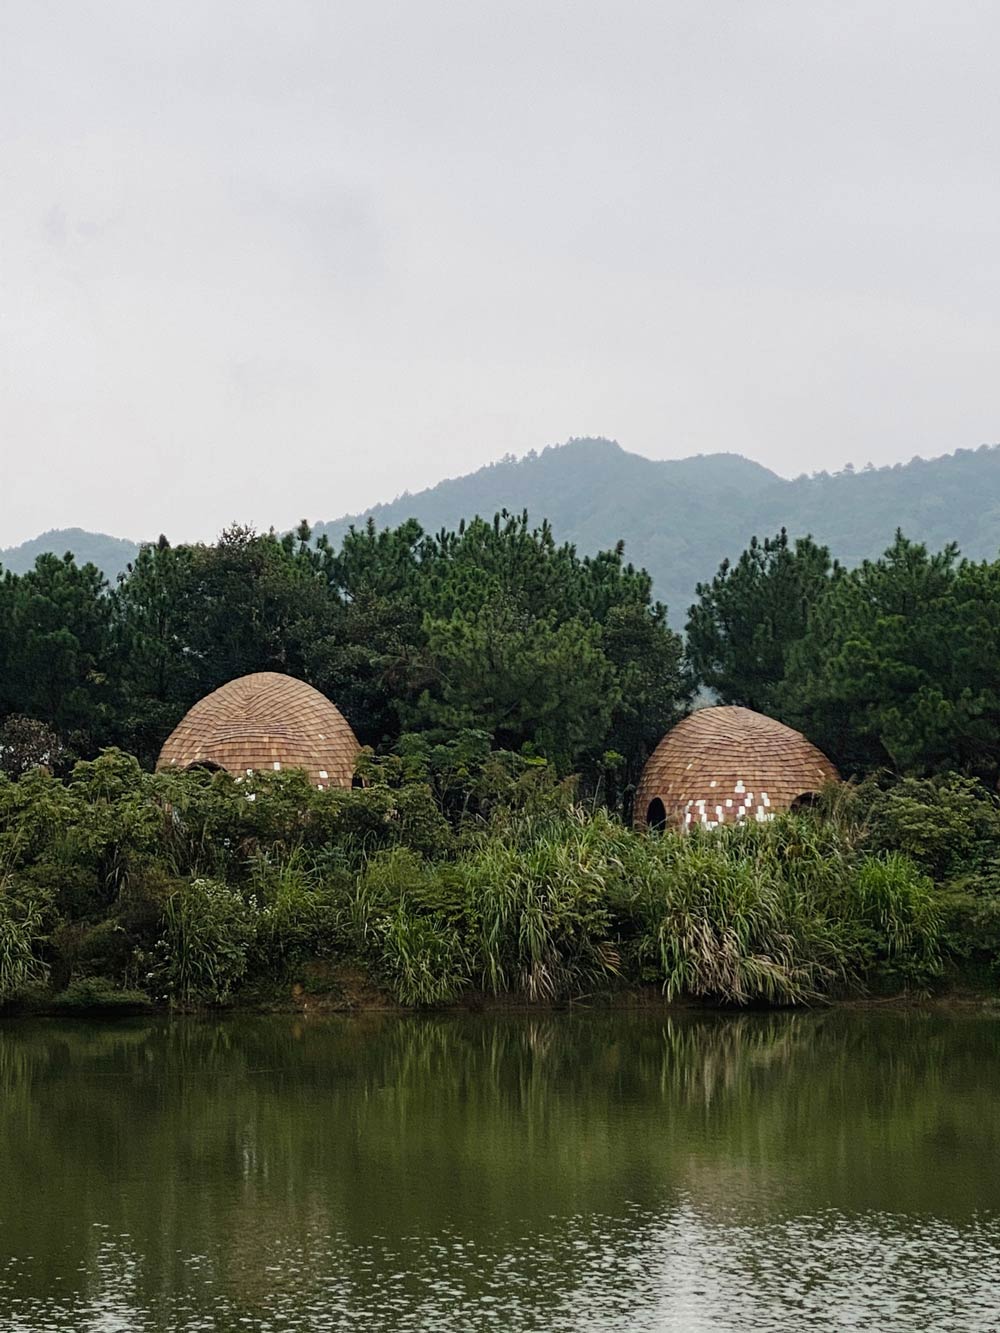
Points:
(302, 914)
(898, 922)
(209, 930)
(194, 886)
(949, 825)
(99, 995)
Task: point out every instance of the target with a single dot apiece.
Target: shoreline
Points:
(359, 996)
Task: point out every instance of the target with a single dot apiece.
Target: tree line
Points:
(497, 637)
(891, 666)
(495, 632)
(496, 675)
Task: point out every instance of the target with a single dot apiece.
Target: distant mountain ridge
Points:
(678, 517)
(110, 554)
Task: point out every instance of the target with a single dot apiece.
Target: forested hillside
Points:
(678, 519)
(109, 554)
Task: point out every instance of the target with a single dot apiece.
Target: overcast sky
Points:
(262, 259)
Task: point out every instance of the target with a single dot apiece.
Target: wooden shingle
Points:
(264, 723)
(724, 765)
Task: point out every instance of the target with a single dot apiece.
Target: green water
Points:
(577, 1171)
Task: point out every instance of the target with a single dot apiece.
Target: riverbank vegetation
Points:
(179, 888)
(508, 692)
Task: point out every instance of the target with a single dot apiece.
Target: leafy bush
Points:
(950, 825)
(405, 919)
(183, 883)
(209, 930)
(87, 994)
(301, 915)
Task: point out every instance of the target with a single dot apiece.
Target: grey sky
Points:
(266, 259)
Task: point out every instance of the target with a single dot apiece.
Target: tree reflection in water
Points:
(412, 1172)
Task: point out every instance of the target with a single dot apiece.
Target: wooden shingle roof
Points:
(264, 723)
(726, 764)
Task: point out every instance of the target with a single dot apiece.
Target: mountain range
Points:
(678, 518)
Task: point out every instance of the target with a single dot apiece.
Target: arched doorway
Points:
(656, 815)
(806, 801)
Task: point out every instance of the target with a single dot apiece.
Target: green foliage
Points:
(460, 869)
(209, 930)
(897, 668)
(523, 640)
(98, 994)
(742, 914)
(21, 924)
(404, 916)
(526, 681)
(949, 825)
(422, 958)
(741, 629)
(56, 643)
(538, 904)
(899, 919)
(784, 912)
(302, 915)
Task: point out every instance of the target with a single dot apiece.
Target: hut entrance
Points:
(656, 815)
(203, 765)
(806, 801)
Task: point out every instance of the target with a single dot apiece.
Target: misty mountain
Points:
(110, 554)
(679, 518)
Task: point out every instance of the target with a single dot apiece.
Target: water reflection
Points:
(564, 1172)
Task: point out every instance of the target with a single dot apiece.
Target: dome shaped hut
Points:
(264, 723)
(723, 765)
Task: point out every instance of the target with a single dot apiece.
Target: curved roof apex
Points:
(265, 722)
(725, 764)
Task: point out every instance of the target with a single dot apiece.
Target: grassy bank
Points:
(119, 889)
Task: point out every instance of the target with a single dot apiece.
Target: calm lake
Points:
(836, 1170)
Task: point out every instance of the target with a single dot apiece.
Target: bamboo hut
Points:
(723, 765)
(264, 723)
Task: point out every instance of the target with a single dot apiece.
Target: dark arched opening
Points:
(656, 815)
(806, 801)
(357, 781)
(203, 765)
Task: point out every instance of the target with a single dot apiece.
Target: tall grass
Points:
(784, 912)
(404, 917)
(538, 904)
(209, 930)
(20, 926)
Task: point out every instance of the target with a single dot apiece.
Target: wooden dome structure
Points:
(723, 765)
(264, 723)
